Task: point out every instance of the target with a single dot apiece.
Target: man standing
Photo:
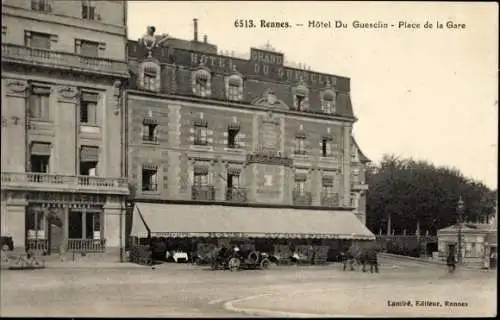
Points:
(451, 262)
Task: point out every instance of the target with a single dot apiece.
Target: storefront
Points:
(184, 226)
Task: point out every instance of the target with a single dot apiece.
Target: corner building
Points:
(221, 148)
(63, 71)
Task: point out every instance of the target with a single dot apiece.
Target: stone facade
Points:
(63, 72)
(293, 143)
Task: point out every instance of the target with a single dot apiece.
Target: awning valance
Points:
(327, 181)
(200, 169)
(40, 149)
(174, 220)
(89, 154)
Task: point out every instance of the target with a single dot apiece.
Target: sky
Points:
(429, 94)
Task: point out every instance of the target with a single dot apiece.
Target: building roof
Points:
(362, 157)
(469, 227)
(263, 71)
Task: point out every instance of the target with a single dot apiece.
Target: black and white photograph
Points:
(249, 159)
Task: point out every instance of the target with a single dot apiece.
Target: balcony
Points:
(203, 193)
(302, 198)
(236, 194)
(359, 185)
(330, 200)
(13, 53)
(62, 183)
(269, 157)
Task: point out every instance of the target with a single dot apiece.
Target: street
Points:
(187, 290)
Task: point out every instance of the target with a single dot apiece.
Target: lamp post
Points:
(460, 209)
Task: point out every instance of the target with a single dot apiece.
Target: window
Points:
(200, 134)
(354, 200)
(326, 147)
(328, 102)
(234, 88)
(40, 5)
(149, 82)
(201, 83)
(300, 186)
(88, 109)
(38, 40)
(300, 145)
(200, 179)
(149, 179)
(88, 10)
(232, 138)
(150, 132)
(38, 104)
(233, 181)
(299, 102)
(327, 190)
(40, 157)
(87, 48)
(84, 225)
(89, 159)
(35, 224)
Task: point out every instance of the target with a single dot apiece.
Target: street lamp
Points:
(460, 209)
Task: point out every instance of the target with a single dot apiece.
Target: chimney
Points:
(195, 23)
(205, 39)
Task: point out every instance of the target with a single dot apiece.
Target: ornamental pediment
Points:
(269, 100)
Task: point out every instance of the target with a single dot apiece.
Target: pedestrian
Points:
(451, 262)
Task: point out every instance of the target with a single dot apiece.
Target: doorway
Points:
(452, 249)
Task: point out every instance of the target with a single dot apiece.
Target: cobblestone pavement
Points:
(186, 290)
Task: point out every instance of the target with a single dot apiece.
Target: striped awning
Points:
(150, 166)
(89, 154)
(40, 149)
(200, 169)
(300, 176)
(234, 126)
(175, 220)
(327, 181)
(233, 171)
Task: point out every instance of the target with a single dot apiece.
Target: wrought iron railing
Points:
(302, 198)
(65, 59)
(203, 192)
(237, 194)
(37, 245)
(59, 179)
(87, 245)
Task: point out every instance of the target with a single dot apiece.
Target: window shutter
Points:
(237, 139)
(328, 148)
(156, 131)
(203, 134)
(153, 180)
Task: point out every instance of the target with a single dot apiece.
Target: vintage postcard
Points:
(248, 159)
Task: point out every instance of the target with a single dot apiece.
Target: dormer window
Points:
(300, 97)
(328, 102)
(149, 81)
(234, 88)
(201, 83)
(299, 102)
(149, 77)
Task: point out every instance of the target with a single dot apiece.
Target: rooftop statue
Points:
(150, 41)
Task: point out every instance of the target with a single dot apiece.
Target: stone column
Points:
(14, 147)
(67, 130)
(114, 226)
(347, 165)
(15, 219)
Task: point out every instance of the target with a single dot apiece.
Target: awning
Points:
(174, 220)
(40, 149)
(89, 154)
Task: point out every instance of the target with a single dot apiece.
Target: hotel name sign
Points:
(263, 64)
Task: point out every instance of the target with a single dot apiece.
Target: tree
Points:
(405, 194)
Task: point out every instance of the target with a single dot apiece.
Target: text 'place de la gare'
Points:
(174, 141)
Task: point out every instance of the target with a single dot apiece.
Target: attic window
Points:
(234, 88)
(201, 83)
(328, 102)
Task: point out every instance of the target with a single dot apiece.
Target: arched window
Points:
(328, 101)
(202, 83)
(234, 88)
(300, 97)
(149, 76)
